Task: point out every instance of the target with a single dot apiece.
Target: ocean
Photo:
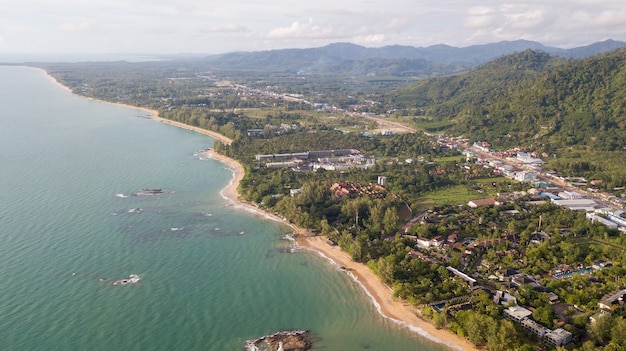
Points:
(73, 220)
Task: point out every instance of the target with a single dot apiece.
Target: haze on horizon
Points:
(210, 27)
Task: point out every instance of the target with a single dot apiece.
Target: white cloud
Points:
(299, 30)
(79, 26)
(480, 22)
(229, 28)
(398, 24)
(188, 25)
(372, 39)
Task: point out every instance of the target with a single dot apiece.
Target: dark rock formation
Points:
(293, 340)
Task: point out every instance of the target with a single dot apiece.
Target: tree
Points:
(600, 330)
(618, 334)
(391, 221)
(385, 268)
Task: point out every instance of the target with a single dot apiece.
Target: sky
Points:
(211, 27)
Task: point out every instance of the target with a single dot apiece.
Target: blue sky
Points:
(206, 26)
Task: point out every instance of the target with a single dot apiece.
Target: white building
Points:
(526, 176)
(382, 180)
(517, 313)
(558, 337)
(570, 195)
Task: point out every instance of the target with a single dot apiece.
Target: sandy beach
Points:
(394, 309)
(381, 295)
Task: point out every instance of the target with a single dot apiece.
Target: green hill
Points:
(574, 109)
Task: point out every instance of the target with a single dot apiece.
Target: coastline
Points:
(391, 308)
(381, 295)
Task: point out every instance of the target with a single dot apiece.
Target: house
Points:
(294, 192)
(504, 273)
(483, 202)
(521, 279)
(553, 298)
(453, 238)
(435, 242)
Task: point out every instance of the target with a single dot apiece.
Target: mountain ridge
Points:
(444, 59)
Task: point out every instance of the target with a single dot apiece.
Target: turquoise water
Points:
(212, 276)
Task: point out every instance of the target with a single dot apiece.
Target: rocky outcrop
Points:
(292, 340)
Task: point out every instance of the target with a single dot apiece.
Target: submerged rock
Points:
(288, 340)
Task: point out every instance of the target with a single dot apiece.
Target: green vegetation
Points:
(571, 109)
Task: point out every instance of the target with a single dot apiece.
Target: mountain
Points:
(352, 59)
(532, 98)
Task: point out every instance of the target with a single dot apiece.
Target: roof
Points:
(483, 202)
(518, 312)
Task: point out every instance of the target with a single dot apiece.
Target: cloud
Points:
(79, 26)
(370, 39)
(398, 24)
(229, 28)
(527, 20)
(609, 19)
(299, 30)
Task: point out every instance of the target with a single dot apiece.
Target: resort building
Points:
(558, 337)
(612, 300)
(517, 313)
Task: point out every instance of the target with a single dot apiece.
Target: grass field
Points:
(460, 194)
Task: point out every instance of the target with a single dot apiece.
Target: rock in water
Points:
(290, 340)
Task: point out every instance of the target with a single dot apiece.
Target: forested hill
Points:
(531, 98)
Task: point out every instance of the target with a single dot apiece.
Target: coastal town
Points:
(476, 264)
(519, 248)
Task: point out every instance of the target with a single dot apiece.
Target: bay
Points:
(212, 276)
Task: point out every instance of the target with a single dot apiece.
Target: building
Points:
(483, 202)
(577, 204)
(596, 218)
(534, 327)
(570, 195)
(558, 337)
(382, 180)
(436, 242)
(503, 298)
(517, 313)
(469, 280)
(612, 300)
(526, 176)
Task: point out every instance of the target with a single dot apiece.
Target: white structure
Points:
(517, 313)
(577, 205)
(570, 195)
(534, 327)
(526, 176)
(382, 180)
(526, 159)
(428, 243)
(595, 218)
(559, 337)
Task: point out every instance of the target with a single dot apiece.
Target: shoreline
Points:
(393, 309)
